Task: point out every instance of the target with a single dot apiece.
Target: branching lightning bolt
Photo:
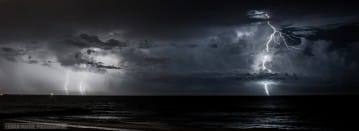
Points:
(276, 37)
(273, 38)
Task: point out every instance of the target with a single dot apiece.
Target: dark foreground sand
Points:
(46, 124)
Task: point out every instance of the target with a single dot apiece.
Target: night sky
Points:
(177, 47)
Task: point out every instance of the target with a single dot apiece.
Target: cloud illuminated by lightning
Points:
(265, 59)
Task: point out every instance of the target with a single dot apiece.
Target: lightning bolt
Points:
(81, 87)
(276, 37)
(265, 86)
(67, 79)
(272, 38)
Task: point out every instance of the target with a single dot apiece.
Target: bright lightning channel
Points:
(81, 87)
(67, 82)
(265, 86)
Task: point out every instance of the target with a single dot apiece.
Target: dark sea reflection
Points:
(280, 112)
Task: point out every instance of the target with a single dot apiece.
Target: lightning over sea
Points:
(179, 65)
(266, 56)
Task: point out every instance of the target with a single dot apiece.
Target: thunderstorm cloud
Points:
(175, 47)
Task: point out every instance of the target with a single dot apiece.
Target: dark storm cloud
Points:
(145, 19)
(86, 40)
(10, 53)
(342, 38)
(22, 56)
(85, 60)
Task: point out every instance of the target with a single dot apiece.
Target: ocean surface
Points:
(190, 112)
